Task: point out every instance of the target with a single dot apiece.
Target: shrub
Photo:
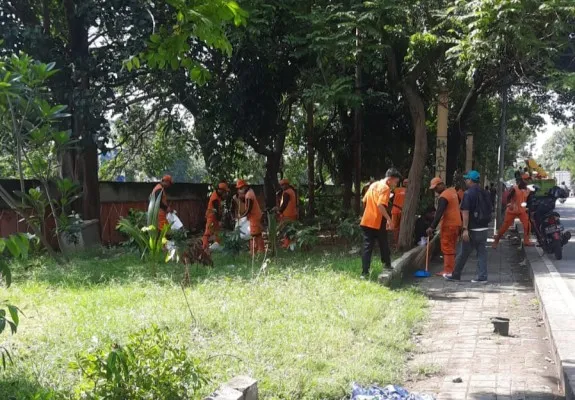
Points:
(149, 366)
(301, 236)
(350, 230)
(232, 243)
(17, 247)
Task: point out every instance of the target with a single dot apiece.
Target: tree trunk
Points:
(90, 184)
(347, 180)
(273, 161)
(457, 131)
(81, 164)
(357, 131)
(417, 112)
(310, 162)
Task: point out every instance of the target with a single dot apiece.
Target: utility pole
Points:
(501, 158)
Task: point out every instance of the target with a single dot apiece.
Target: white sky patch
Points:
(545, 133)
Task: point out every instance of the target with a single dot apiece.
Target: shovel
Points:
(421, 273)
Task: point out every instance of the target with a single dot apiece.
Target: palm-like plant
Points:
(150, 239)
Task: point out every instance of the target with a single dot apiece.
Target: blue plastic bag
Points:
(390, 392)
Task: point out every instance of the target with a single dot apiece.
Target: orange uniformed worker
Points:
(375, 218)
(450, 216)
(288, 202)
(214, 214)
(254, 214)
(516, 200)
(398, 200)
(160, 190)
(288, 207)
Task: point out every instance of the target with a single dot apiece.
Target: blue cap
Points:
(473, 175)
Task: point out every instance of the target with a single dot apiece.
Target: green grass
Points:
(305, 327)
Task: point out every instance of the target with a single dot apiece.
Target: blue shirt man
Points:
(474, 230)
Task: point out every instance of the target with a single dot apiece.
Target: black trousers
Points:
(370, 237)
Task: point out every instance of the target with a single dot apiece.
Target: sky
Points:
(545, 133)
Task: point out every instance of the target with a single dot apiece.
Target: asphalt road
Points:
(567, 265)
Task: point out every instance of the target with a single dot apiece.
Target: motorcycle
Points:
(546, 222)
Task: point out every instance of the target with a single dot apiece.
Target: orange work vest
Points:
(290, 211)
(398, 200)
(377, 194)
(519, 197)
(211, 212)
(256, 213)
(452, 214)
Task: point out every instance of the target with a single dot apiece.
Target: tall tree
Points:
(524, 44)
(559, 151)
(90, 40)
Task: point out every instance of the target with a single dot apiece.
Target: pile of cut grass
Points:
(306, 326)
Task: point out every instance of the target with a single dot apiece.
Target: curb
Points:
(557, 305)
(408, 263)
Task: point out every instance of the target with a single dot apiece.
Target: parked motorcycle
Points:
(546, 222)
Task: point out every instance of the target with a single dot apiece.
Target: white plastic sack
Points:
(174, 221)
(216, 247)
(244, 226)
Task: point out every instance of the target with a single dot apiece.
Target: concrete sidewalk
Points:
(458, 342)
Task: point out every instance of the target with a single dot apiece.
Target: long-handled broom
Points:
(421, 273)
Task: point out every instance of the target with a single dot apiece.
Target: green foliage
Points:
(350, 230)
(301, 236)
(559, 151)
(203, 21)
(153, 142)
(149, 239)
(34, 137)
(15, 247)
(148, 366)
(232, 243)
(137, 219)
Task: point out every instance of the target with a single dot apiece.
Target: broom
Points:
(424, 273)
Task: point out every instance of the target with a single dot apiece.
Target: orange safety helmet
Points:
(240, 184)
(223, 186)
(168, 179)
(284, 182)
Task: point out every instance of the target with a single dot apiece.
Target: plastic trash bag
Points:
(216, 247)
(390, 392)
(174, 221)
(244, 226)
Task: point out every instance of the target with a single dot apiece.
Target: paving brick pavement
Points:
(458, 340)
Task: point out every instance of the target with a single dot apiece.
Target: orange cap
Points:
(168, 179)
(435, 182)
(284, 182)
(240, 184)
(223, 186)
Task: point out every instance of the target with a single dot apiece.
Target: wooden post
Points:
(469, 152)
(441, 146)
